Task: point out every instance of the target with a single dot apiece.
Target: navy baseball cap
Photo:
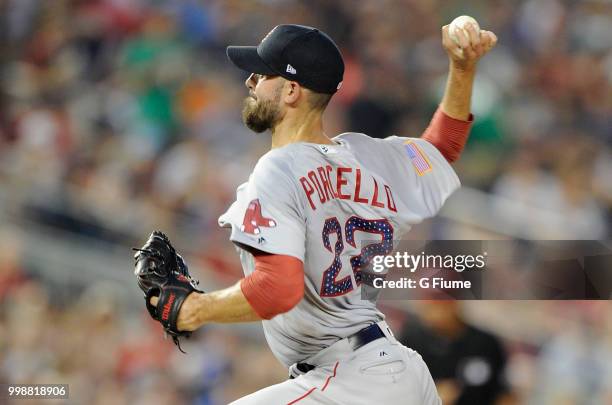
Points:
(295, 52)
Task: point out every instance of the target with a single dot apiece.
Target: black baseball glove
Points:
(162, 273)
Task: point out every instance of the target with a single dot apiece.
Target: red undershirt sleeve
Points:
(276, 285)
(449, 135)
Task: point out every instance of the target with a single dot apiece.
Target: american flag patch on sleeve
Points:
(418, 158)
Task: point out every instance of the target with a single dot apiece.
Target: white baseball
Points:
(460, 23)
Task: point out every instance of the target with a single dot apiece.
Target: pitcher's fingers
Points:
(490, 39)
(485, 39)
(471, 53)
(445, 32)
(446, 39)
(473, 34)
(494, 38)
(451, 46)
(464, 40)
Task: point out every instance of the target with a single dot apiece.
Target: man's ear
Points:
(292, 92)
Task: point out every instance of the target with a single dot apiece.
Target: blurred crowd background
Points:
(122, 116)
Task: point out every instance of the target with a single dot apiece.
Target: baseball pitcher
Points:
(313, 213)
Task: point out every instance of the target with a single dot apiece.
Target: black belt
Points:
(357, 340)
(365, 336)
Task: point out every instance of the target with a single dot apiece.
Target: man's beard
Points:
(260, 116)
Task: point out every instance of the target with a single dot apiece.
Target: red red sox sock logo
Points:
(253, 219)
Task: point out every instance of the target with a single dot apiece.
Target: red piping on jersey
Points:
(276, 285)
(330, 377)
(449, 135)
(302, 397)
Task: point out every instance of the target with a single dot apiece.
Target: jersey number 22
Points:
(331, 286)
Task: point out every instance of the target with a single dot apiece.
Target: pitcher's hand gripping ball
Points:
(460, 24)
(162, 273)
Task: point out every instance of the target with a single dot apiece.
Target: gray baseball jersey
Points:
(318, 203)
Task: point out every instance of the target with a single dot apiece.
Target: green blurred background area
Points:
(118, 117)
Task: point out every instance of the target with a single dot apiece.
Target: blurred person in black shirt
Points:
(466, 363)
